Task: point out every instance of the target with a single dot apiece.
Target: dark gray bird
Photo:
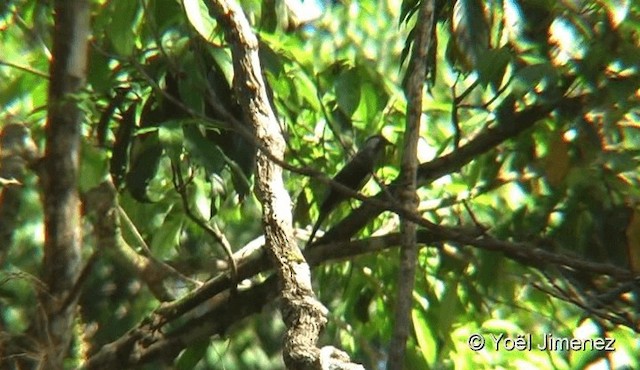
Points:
(353, 175)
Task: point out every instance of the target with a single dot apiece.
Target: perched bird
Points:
(353, 175)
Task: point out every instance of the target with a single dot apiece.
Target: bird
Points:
(353, 175)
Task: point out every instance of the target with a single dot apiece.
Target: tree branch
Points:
(302, 313)
(408, 177)
(61, 264)
(503, 130)
(211, 309)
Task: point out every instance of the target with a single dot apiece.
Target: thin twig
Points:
(181, 187)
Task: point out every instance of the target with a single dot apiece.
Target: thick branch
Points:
(212, 309)
(61, 263)
(449, 163)
(303, 314)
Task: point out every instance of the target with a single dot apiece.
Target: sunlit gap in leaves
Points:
(569, 43)
(306, 11)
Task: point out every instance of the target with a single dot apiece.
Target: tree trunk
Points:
(61, 263)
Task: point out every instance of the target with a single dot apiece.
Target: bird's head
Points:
(375, 146)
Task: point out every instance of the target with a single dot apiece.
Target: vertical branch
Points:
(60, 176)
(409, 198)
(302, 313)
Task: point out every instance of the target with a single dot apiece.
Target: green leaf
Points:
(269, 16)
(407, 45)
(11, 90)
(143, 167)
(100, 76)
(171, 137)
(166, 238)
(202, 151)
(470, 31)
(93, 166)
(190, 357)
(165, 14)
(369, 106)
(301, 209)
(121, 146)
(240, 180)
(408, 8)
(425, 337)
(500, 326)
(306, 88)
(492, 66)
(348, 91)
(527, 78)
(198, 16)
(223, 61)
(122, 29)
(190, 87)
(271, 60)
(449, 307)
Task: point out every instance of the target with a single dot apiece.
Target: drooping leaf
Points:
(622, 161)
(171, 137)
(222, 61)
(470, 32)
(557, 161)
(242, 171)
(370, 104)
(492, 66)
(121, 146)
(198, 16)
(122, 28)
(100, 78)
(304, 89)
(93, 166)
(301, 209)
(407, 46)
(269, 18)
(202, 151)
(190, 357)
(166, 238)
(526, 79)
(427, 341)
(348, 91)
(103, 124)
(191, 90)
(165, 14)
(143, 167)
(408, 8)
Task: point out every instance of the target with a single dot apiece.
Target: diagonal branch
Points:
(147, 341)
(428, 172)
(302, 313)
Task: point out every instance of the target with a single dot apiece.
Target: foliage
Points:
(159, 102)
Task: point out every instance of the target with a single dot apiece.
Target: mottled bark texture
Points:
(303, 314)
(61, 263)
(408, 177)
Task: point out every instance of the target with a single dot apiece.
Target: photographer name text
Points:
(549, 342)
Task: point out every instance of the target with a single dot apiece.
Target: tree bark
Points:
(61, 263)
(408, 175)
(303, 314)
